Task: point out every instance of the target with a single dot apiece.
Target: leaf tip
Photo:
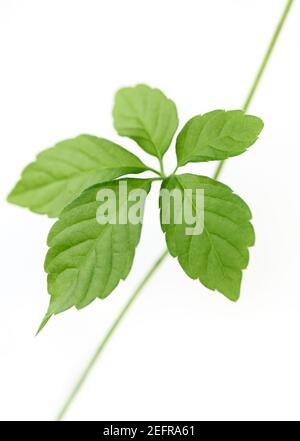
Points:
(10, 197)
(233, 295)
(43, 323)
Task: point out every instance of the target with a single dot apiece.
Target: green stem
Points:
(154, 171)
(162, 171)
(260, 71)
(109, 334)
(158, 262)
(267, 54)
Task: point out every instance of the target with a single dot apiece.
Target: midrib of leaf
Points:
(193, 155)
(199, 139)
(85, 257)
(143, 125)
(92, 249)
(206, 231)
(75, 176)
(210, 235)
(110, 153)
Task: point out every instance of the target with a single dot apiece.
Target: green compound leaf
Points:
(216, 256)
(147, 116)
(217, 135)
(87, 259)
(62, 172)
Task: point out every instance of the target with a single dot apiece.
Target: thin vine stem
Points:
(260, 71)
(158, 262)
(109, 334)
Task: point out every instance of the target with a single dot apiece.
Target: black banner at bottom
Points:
(106, 430)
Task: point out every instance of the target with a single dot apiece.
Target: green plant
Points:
(87, 260)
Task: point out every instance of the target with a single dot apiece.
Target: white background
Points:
(182, 352)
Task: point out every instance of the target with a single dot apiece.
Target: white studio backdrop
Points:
(182, 352)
